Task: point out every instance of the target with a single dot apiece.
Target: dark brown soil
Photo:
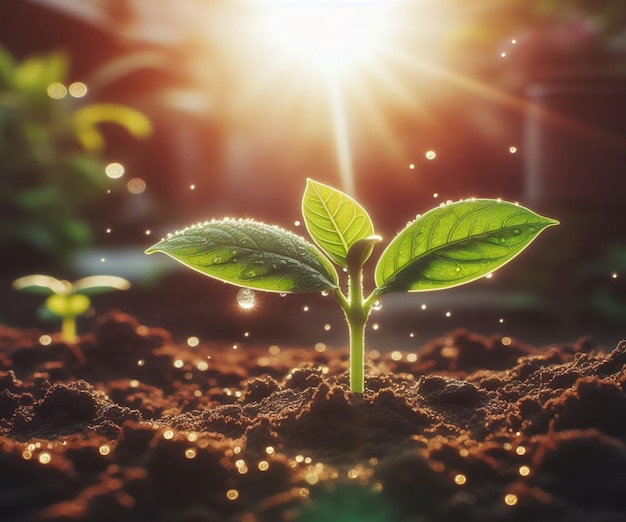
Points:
(129, 426)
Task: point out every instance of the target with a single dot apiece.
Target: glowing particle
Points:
(423, 307)
(134, 383)
(108, 230)
(312, 478)
(448, 314)
(435, 195)
(521, 450)
(463, 452)
(246, 334)
(375, 326)
(506, 341)
(192, 187)
(274, 349)
(513, 41)
(179, 363)
(501, 320)
(374, 355)
(489, 275)
(411, 335)
(141, 362)
(45, 340)
(190, 453)
(377, 487)
(232, 494)
(513, 149)
(114, 170)
(27, 455)
(320, 347)
(235, 346)
(263, 465)
(148, 232)
(136, 186)
(246, 298)
(270, 450)
(305, 308)
(57, 91)
(412, 166)
(503, 54)
(237, 450)
(430, 155)
(353, 473)
(193, 341)
(327, 327)
(614, 275)
(460, 479)
(510, 499)
(168, 434)
(396, 356)
(44, 457)
(524, 471)
(203, 366)
(77, 89)
(296, 223)
(104, 450)
(412, 357)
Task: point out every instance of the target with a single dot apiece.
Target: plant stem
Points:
(356, 310)
(357, 355)
(68, 329)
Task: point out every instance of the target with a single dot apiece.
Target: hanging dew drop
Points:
(246, 298)
(325, 293)
(377, 305)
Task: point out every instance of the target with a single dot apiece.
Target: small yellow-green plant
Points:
(66, 301)
(450, 245)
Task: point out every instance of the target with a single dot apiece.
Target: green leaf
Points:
(251, 254)
(334, 220)
(42, 284)
(67, 305)
(455, 244)
(86, 118)
(360, 252)
(99, 284)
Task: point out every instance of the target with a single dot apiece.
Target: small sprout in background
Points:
(450, 245)
(67, 301)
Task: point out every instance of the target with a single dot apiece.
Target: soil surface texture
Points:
(127, 425)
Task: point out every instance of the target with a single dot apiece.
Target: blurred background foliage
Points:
(51, 159)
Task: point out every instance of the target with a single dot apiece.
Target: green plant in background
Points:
(450, 245)
(66, 301)
(51, 164)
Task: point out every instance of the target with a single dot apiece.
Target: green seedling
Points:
(66, 301)
(447, 246)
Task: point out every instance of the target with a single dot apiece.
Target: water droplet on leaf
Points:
(246, 298)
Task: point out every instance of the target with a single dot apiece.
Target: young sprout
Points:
(450, 245)
(66, 301)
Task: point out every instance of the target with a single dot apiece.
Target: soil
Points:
(129, 426)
